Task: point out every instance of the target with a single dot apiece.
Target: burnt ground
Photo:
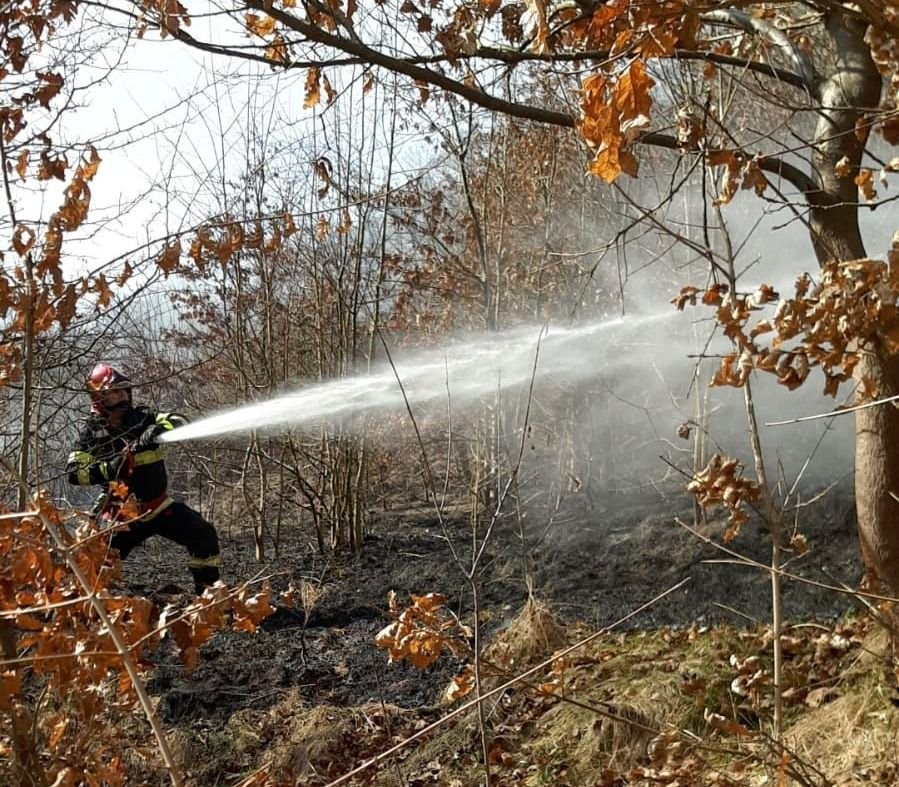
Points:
(593, 565)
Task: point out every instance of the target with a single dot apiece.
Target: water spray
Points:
(465, 370)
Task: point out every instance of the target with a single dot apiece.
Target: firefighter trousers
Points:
(178, 522)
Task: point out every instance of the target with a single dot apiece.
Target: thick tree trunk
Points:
(877, 475)
(854, 85)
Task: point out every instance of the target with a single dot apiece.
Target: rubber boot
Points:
(204, 576)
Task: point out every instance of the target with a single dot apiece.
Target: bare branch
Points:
(832, 413)
(760, 27)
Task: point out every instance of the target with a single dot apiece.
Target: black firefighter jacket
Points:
(99, 444)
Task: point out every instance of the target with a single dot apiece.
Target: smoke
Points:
(628, 383)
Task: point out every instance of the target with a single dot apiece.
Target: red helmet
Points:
(102, 378)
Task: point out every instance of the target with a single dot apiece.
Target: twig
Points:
(737, 612)
(833, 413)
(246, 778)
(812, 500)
(429, 476)
(33, 660)
(475, 563)
(471, 574)
(748, 562)
(514, 474)
(508, 684)
(16, 515)
(775, 527)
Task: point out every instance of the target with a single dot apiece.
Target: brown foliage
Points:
(32, 292)
(826, 325)
(721, 483)
(615, 112)
(422, 631)
(62, 645)
(223, 240)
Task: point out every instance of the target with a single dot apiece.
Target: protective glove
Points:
(147, 439)
(118, 468)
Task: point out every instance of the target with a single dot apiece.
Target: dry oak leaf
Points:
(313, 88)
(171, 255)
(722, 724)
(249, 611)
(23, 239)
(420, 633)
(323, 169)
(260, 26)
(288, 227)
(714, 295)
(52, 167)
(104, 293)
(22, 163)
(330, 93)
(632, 96)
(536, 25)
(721, 483)
(686, 295)
(865, 182)
(118, 490)
(52, 85)
(277, 51)
(461, 685)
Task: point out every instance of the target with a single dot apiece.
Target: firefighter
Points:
(119, 443)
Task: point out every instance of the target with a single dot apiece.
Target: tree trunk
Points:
(853, 86)
(877, 474)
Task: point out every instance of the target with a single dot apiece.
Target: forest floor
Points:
(298, 674)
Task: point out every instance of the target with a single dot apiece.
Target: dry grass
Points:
(319, 743)
(309, 743)
(612, 700)
(626, 690)
(298, 743)
(854, 733)
(854, 737)
(576, 744)
(533, 635)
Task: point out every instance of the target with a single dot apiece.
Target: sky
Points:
(189, 110)
(170, 124)
(174, 105)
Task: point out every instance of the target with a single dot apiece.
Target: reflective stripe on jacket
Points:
(99, 443)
